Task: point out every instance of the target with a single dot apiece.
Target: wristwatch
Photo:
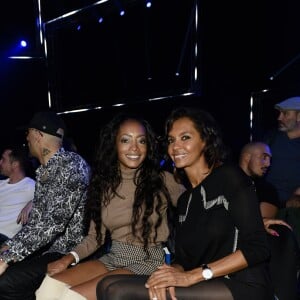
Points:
(207, 273)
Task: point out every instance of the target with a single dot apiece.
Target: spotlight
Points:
(100, 20)
(148, 4)
(23, 43)
(122, 12)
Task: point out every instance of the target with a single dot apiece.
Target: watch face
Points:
(207, 273)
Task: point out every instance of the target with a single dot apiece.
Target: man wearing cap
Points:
(56, 223)
(284, 172)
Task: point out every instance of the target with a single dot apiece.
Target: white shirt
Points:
(13, 197)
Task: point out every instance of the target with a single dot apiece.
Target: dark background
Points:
(242, 44)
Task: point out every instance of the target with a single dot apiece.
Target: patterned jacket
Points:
(57, 216)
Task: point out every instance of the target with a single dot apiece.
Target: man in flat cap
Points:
(56, 223)
(284, 172)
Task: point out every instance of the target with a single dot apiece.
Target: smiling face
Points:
(185, 145)
(131, 144)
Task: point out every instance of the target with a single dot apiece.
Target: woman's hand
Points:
(157, 293)
(164, 279)
(60, 264)
(161, 293)
(269, 222)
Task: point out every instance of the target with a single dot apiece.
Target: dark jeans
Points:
(22, 279)
(292, 216)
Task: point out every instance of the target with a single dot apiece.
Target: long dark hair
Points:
(215, 152)
(106, 178)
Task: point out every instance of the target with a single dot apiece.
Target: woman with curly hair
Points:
(128, 196)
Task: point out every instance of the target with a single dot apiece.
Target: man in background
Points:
(16, 191)
(255, 160)
(284, 143)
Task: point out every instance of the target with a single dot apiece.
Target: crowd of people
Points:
(230, 219)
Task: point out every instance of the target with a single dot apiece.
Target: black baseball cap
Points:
(48, 122)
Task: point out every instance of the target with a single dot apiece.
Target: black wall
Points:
(23, 90)
(242, 45)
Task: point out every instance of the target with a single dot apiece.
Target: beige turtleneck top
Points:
(116, 217)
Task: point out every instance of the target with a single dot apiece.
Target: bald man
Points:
(255, 160)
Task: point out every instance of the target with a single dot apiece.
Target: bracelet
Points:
(77, 259)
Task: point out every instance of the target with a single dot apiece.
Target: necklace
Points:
(182, 218)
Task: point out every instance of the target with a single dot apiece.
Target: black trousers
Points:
(22, 279)
(284, 263)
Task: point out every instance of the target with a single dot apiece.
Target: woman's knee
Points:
(125, 287)
(106, 286)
